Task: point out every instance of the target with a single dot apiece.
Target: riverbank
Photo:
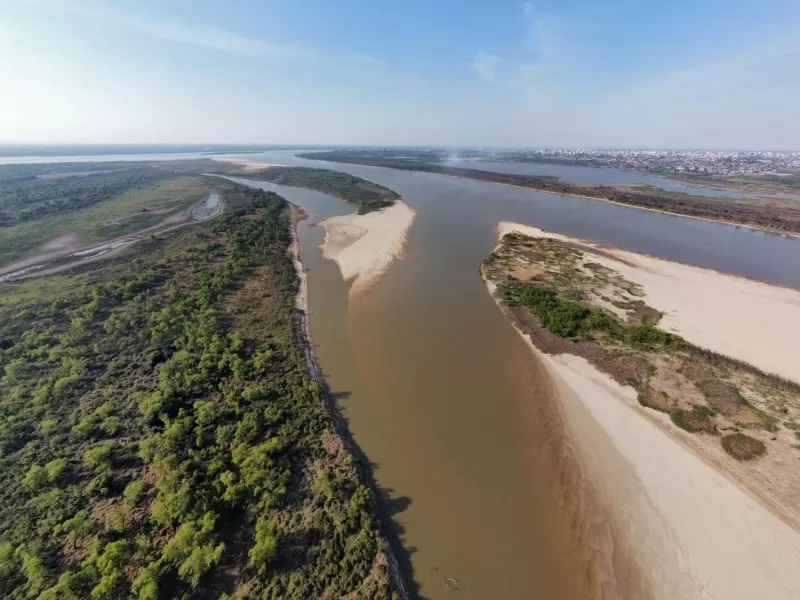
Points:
(701, 523)
(247, 165)
(774, 216)
(364, 246)
(387, 557)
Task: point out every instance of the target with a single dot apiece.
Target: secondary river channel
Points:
(445, 399)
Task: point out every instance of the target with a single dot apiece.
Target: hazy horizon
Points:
(511, 74)
(267, 146)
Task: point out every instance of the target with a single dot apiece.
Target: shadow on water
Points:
(388, 505)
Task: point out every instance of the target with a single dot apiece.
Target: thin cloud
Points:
(487, 65)
(202, 36)
(214, 39)
(351, 64)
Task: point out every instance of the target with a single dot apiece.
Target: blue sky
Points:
(618, 73)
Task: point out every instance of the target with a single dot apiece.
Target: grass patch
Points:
(743, 447)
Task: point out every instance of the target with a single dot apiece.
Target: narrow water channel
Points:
(444, 398)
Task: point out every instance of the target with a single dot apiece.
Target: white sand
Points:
(364, 246)
(695, 531)
(745, 319)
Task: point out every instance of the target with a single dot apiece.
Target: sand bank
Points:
(748, 320)
(248, 165)
(694, 528)
(364, 246)
(695, 533)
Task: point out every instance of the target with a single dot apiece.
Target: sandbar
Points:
(364, 246)
(695, 530)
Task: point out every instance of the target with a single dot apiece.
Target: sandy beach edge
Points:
(396, 576)
(365, 246)
(692, 529)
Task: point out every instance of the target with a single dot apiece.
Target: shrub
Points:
(38, 476)
(646, 336)
(110, 564)
(48, 426)
(695, 420)
(99, 456)
(133, 491)
(743, 447)
(265, 549)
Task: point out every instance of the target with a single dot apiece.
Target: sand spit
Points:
(695, 531)
(364, 246)
(748, 320)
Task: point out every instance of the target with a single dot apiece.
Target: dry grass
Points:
(743, 447)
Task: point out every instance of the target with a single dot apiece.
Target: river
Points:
(444, 398)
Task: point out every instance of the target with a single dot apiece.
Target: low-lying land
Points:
(51, 209)
(766, 213)
(569, 299)
(160, 435)
(52, 215)
(786, 184)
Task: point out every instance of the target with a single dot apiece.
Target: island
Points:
(696, 451)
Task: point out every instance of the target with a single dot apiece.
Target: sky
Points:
(716, 74)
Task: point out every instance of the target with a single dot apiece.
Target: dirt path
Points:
(71, 254)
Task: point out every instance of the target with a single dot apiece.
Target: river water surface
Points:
(445, 399)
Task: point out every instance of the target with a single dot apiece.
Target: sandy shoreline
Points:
(248, 165)
(693, 528)
(364, 246)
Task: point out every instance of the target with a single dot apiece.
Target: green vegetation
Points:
(696, 420)
(159, 433)
(41, 203)
(570, 319)
(38, 196)
(743, 447)
(367, 196)
(571, 302)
